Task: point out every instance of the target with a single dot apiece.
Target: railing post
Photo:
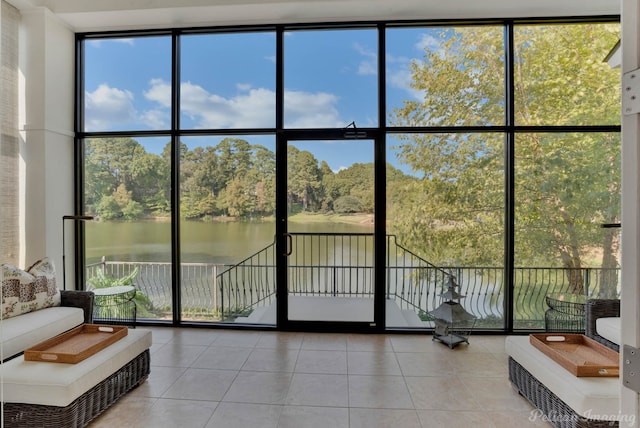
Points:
(587, 281)
(221, 299)
(214, 272)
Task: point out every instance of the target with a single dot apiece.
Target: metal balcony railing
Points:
(342, 265)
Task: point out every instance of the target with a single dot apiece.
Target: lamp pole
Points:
(64, 264)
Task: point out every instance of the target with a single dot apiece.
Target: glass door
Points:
(328, 234)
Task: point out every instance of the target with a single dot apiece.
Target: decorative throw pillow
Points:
(15, 284)
(45, 290)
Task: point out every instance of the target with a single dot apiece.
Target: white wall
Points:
(46, 120)
(630, 302)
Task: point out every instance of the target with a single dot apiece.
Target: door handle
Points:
(289, 249)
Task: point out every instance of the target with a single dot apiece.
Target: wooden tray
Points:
(582, 356)
(76, 345)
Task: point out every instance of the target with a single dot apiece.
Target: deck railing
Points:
(342, 265)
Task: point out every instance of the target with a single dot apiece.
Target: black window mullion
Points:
(176, 299)
(509, 190)
(282, 306)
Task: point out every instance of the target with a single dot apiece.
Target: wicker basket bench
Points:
(44, 394)
(566, 401)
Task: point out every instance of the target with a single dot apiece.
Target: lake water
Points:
(202, 242)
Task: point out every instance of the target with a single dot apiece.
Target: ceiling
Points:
(93, 15)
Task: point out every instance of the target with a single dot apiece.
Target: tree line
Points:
(233, 179)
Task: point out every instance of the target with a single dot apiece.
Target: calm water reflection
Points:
(202, 242)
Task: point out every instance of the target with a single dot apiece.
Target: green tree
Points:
(262, 179)
(123, 168)
(107, 208)
(357, 181)
(304, 181)
(347, 204)
(566, 184)
(330, 191)
(237, 198)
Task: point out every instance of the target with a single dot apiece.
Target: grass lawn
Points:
(361, 219)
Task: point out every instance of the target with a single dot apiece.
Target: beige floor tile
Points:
(477, 364)
(324, 342)
(373, 363)
(245, 339)
(201, 384)
(426, 364)
(369, 342)
(318, 390)
(125, 413)
(280, 340)
(440, 393)
(222, 358)
(177, 413)
(313, 417)
(383, 418)
(175, 355)
(259, 387)
(456, 419)
(222, 378)
(509, 419)
(239, 415)
(387, 392)
(195, 336)
(495, 394)
(159, 380)
(271, 360)
(328, 362)
(416, 343)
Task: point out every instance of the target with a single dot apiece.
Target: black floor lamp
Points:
(64, 264)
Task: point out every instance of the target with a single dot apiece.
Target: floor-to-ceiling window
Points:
(446, 200)
(127, 167)
(490, 151)
(566, 175)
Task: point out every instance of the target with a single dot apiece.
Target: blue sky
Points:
(228, 81)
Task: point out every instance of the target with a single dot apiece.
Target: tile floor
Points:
(222, 378)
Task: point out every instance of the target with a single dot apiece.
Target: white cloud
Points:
(399, 73)
(401, 78)
(427, 42)
(367, 69)
(97, 43)
(306, 110)
(250, 108)
(107, 105)
(369, 65)
(156, 119)
(160, 92)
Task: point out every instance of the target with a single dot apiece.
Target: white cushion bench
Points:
(71, 395)
(565, 400)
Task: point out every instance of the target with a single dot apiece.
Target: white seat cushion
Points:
(27, 330)
(58, 384)
(609, 328)
(590, 397)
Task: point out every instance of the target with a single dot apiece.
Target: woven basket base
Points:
(84, 408)
(556, 411)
